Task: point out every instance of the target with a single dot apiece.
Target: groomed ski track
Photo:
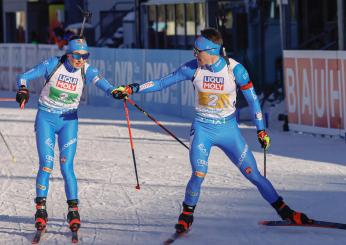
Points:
(308, 171)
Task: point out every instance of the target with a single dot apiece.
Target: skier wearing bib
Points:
(215, 79)
(65, 78)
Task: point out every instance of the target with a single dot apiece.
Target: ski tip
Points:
(262, 222)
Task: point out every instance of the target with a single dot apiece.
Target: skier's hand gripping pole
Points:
(264, 140)
(22, 96)
(122, 92)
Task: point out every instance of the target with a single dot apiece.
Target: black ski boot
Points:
(41, 216)
(73, 216)
(286, 213)
(185, 219)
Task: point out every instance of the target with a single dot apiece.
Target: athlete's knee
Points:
(67, 171)
(45, 170)
(196, 179)
(200, 174)
(252, 174)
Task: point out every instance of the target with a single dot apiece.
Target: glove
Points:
(122, 91)
(263, 139)
(22, 95)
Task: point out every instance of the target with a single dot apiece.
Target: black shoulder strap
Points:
(83, 74)
(61, 61)
(226, 59)
(196, 73)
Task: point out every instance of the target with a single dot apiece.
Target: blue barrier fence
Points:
(118, 66)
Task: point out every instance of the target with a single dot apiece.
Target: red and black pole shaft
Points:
(131, 142)
(157, 122)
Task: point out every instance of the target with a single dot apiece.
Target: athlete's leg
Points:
(67, 140)
(199, 153)
(45, 142)
(238, 151)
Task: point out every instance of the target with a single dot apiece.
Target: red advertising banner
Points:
(315, 91)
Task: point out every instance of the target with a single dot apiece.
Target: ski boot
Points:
(41, 216)
(73, 216)
(185, 219)
(286, 213)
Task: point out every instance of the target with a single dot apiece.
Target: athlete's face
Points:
(78, 58)
(203, 57)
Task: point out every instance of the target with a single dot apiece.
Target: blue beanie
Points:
(210, 47)
(77, 44)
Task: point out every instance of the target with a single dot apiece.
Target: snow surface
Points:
(308, 171)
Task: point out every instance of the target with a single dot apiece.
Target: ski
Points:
(74, 237)
(174, 237)
(37, 236)
(313, 223)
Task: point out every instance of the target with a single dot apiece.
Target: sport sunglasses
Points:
(198, 51)
(80, 56)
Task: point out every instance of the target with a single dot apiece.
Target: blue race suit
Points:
(57, 115)
(215, 123)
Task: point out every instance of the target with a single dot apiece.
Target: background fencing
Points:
(315, 84)
(118, 66)
(315, 91)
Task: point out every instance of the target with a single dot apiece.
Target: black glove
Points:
(22, 95)
(122, 91)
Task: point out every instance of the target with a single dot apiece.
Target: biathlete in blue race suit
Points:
(215, 79)
(59, 99)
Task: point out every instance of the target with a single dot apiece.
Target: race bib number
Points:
(62, 96)
(212, 100)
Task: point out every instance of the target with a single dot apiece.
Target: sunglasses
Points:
(80, 56)
(198, 51)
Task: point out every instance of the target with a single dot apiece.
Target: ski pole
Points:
(131, 142)
(8, 147)
(265, 162)
(7, 99)
(22, 105)
(157, 122)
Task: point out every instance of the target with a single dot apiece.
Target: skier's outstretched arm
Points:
(23, 79)
(43, 69)
(92, 76)
(243, 81)
(184, 72)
